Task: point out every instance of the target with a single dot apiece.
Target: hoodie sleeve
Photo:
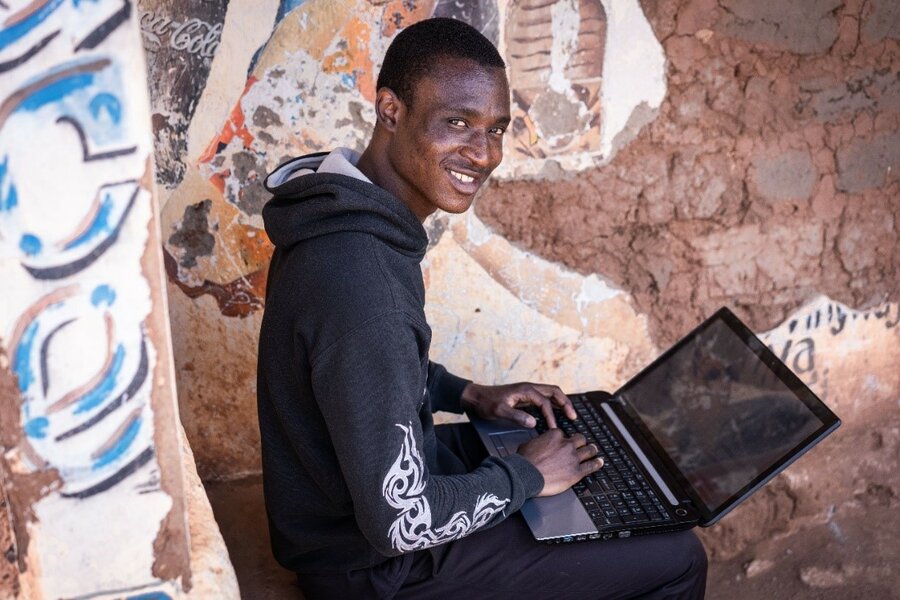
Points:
(445, 388)
(369, 386)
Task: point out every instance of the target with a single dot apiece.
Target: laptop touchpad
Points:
(508, 442)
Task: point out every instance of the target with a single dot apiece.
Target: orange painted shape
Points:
(218, 180)
(399, 14)
(234, 126)
(255, 248)
(353, 57)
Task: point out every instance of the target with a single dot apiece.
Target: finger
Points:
(531, 395)
(587, 452)
(559, 399)
(546, 410)
(591, 466)
(579, 440)
(505, 411)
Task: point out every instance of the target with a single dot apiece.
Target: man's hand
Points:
(500, 401)
(561, 460)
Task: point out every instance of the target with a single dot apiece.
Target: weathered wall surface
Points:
(770, 175)
(91, 464)
(665, 158)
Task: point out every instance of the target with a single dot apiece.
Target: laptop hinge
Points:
(640, 454)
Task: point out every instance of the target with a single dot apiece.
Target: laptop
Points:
(685, 441)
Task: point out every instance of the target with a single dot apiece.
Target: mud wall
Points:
(665, 158)
(93, 502)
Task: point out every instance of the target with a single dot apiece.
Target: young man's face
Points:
(450, 139)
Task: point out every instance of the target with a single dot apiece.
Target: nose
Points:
(477, 150)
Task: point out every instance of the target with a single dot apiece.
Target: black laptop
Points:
(686, 440)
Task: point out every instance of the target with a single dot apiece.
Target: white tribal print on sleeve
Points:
(404, 489)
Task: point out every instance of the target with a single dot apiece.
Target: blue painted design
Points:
(37, 428)
(285, 7)
(30, 244)
(120, 447)
(11, 200)
(349, 80)
(22, 357)
(103, 294)
(56, 91)
(10, 35)
(100, 224)
(8, 200)
(150, 596)
(106, 386)
(108, 102)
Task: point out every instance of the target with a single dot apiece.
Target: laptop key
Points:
(593, 485)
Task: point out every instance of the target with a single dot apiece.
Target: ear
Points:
(389, 109)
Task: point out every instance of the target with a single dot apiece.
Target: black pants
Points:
(506, 562)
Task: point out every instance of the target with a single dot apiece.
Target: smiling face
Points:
(445, 144)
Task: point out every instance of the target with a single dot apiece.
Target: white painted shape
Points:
(100, 543)
(478, 233)
(594, 291)
(76, 352)
(248, 25)
(565, 20)
(634, 68)
(508, 339)
(634, 74)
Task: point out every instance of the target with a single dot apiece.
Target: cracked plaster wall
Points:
(756, 168)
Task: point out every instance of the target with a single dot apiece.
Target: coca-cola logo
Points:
(193, 35)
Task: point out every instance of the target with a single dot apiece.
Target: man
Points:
(365, 497)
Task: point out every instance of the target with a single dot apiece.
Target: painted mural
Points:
(666, 158)
(89, 429)
(319, 66)
(308, 86)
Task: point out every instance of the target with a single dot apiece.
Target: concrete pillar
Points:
(92, 461)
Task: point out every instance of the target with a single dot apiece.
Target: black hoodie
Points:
(352, 470)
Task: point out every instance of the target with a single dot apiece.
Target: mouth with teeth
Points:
(462, 177)
(466, 184)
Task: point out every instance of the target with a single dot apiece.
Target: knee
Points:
(696, 553)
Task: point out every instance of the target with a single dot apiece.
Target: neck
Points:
(375, 164)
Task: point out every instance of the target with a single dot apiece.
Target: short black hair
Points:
(416, 49)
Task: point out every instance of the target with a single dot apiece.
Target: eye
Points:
(457, 122)
(498, 130)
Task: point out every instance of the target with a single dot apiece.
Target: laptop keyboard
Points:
(617, 494)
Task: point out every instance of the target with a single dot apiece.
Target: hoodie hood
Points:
(308, 203)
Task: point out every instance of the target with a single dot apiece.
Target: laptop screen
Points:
(725, 411)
